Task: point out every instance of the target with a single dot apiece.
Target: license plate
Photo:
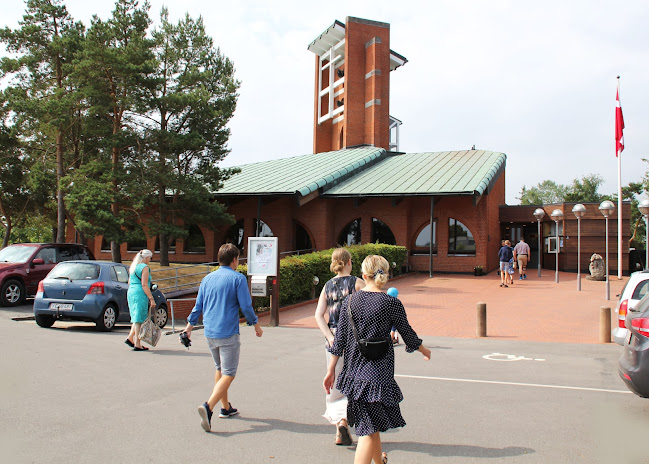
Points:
(61, 306)
(628, 338)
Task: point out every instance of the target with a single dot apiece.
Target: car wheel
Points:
(12, 293)
(45, 321)
(161, 316)
(106, 320)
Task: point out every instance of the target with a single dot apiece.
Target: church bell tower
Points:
(352, 86)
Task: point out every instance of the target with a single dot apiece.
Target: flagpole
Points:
(619, 202)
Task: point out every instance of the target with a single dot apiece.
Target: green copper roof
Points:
(301, 175)
(370, 171)
(471, 172)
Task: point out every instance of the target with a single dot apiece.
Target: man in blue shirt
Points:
(504, 255)
(220, 296)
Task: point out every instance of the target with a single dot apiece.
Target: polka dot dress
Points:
(373, 394)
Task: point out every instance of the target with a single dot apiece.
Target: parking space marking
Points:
(517, 384)
(508, 357)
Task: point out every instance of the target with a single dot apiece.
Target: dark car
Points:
(24, 265)
(634, 362)
(93, 291)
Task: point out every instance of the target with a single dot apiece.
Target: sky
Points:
(534, 80)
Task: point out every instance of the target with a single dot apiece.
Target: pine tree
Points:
(193, 97)
(112, 71)
(42, 94)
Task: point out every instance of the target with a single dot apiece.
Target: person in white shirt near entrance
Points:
(521, 257)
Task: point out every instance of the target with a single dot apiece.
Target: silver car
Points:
(636, 287)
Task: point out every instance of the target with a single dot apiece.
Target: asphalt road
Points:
(70, 394)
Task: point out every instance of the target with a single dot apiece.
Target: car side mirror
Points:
(38, 261)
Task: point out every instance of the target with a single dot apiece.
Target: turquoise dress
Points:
(138, 301)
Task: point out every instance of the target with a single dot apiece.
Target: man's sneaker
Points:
(228, 412)
(520, 278)
(524, 276)
(206, 417)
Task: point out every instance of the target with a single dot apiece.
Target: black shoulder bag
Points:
(373, 348)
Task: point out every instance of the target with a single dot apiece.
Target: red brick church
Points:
(357, 187)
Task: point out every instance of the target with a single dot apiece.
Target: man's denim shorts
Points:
(504, 265)
(225, 352)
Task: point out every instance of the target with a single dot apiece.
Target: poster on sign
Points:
(262, 256)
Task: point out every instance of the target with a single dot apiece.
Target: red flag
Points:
(619, 125)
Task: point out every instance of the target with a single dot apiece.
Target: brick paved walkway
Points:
(535, 309)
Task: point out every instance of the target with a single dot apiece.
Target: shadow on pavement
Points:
(435, 450)
(258, 425)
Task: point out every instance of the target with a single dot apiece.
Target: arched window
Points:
(460, 239)
(351, 233)
(105, 245)
(422, 242)
(136, 242)
(172, 244)
(381, 233)
(302, 238)
(235, 235)
(195, 241)
(264, 230)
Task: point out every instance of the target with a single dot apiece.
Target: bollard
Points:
(481, 329)
(605, 325)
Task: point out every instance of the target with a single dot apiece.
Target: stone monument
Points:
(596, 267)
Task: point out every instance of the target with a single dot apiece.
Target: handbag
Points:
(373, 348)
(149, 331)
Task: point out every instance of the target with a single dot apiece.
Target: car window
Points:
(75, 271)
(640, 290)
(67, 253)
(119, 274)
(47, 254)
(16, 254)
(82, 253)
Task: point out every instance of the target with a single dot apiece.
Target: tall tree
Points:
(113, 69)
(43, 96)
(194, 97)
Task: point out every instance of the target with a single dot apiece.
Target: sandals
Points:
(343, 438)
(144, 348)
(129, 343)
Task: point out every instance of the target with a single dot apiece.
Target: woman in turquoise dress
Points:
(139, 297)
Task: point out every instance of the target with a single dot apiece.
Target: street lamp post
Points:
(538, 214)
(607, 207)
(644, 209)
(557, 215)
(579, 210)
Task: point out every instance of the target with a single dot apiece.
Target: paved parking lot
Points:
(70, 394)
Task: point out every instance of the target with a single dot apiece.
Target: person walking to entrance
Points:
(509, 276)
(504, 255)
(219, 298)
(331, 299)
(521, 257)
(373, 394)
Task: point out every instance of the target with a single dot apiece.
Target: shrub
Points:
(297, 272)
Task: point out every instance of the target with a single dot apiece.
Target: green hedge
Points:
(297, 272)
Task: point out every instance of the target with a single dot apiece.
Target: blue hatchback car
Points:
(93, 291)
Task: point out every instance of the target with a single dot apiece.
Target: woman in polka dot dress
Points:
(372, 393)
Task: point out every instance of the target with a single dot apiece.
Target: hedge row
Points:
(297, 272)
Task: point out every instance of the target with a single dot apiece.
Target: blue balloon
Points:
(393, 292)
